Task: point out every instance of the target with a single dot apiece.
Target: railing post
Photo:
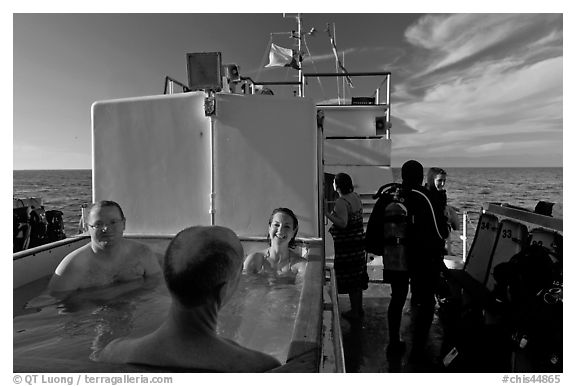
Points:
(339, 359)
(82, 223)
(464, 235)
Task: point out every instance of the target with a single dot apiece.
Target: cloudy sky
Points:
(467, 89)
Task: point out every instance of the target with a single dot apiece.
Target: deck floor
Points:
(365, 342)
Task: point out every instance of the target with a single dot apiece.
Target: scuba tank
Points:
(38, 227)
(395, 227)
(55, 226)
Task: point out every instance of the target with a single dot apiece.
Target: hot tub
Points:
(281, 319)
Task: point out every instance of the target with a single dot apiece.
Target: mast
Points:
(298, 36)
(300, 74)
(301, 85)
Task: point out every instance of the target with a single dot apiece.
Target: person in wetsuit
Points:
(424, 245)
(202, 269)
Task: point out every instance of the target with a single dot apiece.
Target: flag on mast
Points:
(282, 57)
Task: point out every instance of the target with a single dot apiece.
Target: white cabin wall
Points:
(357, 151)
(265, 158)
(351, 121)
(152, 156)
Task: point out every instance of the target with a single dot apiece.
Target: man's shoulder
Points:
(249, 360)
(263, 362)
(120, 350)
(418, 196)
(76, 258)
(71, 270)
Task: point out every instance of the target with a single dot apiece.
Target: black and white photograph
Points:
(346, 189)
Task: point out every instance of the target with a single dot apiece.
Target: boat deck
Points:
(365, 342)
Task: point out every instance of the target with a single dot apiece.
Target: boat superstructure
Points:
(352, 135)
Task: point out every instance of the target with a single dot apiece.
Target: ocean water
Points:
(64, 190)
(468, 189)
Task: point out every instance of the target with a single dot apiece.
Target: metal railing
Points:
(169, 85)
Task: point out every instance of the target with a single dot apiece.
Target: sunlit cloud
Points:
(483, 76)
(454, 38)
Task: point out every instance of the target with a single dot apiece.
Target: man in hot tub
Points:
(202, 269)
(108, 258)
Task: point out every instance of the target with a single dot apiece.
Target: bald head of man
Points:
(203, 264)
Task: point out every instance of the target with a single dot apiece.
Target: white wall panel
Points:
(352, 151)
(265, 157)
(351, 121)
(151, 155)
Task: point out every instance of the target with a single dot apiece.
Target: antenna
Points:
(299, 35)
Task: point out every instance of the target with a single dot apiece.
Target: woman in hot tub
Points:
(279, 259)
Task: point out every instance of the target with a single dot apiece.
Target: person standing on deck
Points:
(424, 244)
(108, 258)
(435, 185)
(436, 189)
(350, 255)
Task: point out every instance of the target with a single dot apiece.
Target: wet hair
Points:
(107, 203)
(344, 183)
(412, 173)
(292, 242)
(432, 174)
(198, 262)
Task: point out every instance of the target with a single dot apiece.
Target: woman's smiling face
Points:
(440, 181)
(281, 229)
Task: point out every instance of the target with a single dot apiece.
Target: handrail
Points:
(388, 74)
(44, 247)
(341, 74)
(168, 82)
(319, 74)
(283, 83)
(337, 329)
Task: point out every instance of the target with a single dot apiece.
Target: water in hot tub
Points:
(260, 316)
